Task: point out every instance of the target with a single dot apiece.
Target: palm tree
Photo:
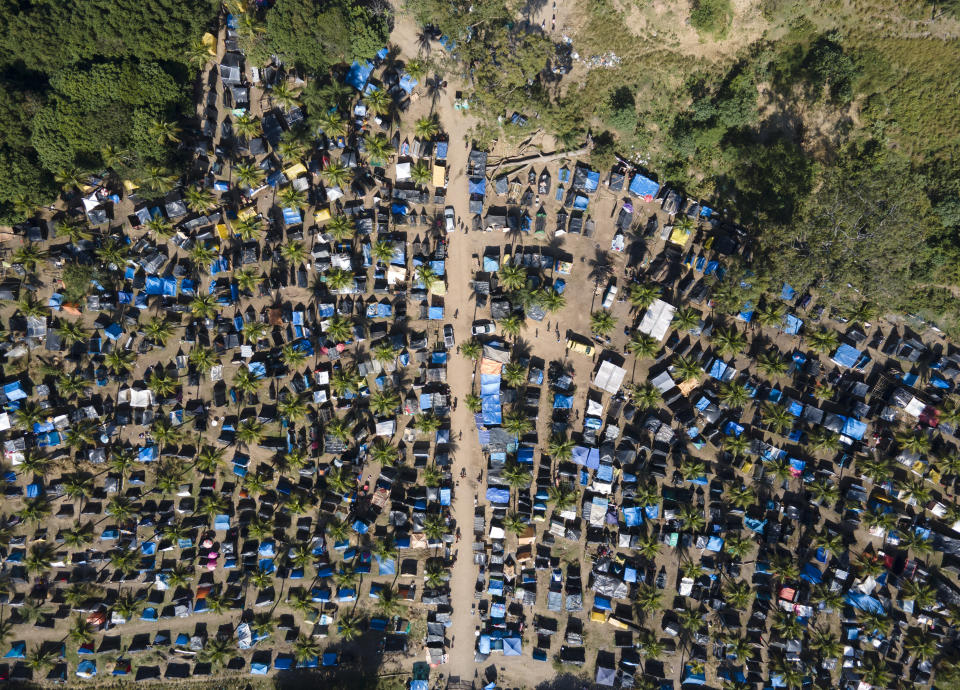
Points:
(432, 476)
(38, 558)
(421, 174)
(199, 199)
(293, 408)
(202, 358)
(209, 459)
(738, 594)
(472, 349)
(158, 330)
(512, 325)
(560, 447)
(777, 417)
(248, 174)
(202, 255)
(646, 396)
(823, 341)
(161, 383)
(734, 395)
(40, 658)
(305, 649)
(157, 180)
(247, 126)
(204, 306)
(517, 422)
(513, 522)
(514, 373)
(643, 346)
(27, 416)
(823, 492)
(249, 431)
(924, 596)
(290, 148)
(512, 277)
(217, 650)
(642, 295)
(686, 318)
(435, 573)
(284, 95)
(378, 101)
(602, 322)
(770, 314)
(29, 256)
(516, 475)
(246, 382)
(164, 131)
(876, 673)
(70, 178)
(562, 496)
(688, 369)
(742, 496)
(349, 627)
(827, 598)
(914, 443)
(426, 423)
(336, 174)
(919, 644)
(161, 227)
(378, 148)
(737, 446)
(340, 227)
(35, 510)
(426, 127)
(384, 402)
(80, 631)
(784, 568)
(384, 453)
(729, 341)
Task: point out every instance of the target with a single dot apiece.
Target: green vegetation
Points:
(711, 16)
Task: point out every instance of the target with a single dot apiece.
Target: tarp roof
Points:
(656, 320)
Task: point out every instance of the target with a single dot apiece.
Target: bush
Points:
(622, 110)
(711, 16)
(76, 281)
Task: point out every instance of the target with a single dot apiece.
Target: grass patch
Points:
(711, 17)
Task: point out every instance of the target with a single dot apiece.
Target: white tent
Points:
(135, 398)
(609, 377)
(656, 322)
(403, 171)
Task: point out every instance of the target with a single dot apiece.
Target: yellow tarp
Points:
(321, 215)
(295, 171)
(598, 616)
(439, 176)
(248, 212)
(679, 235)
(222, 231)
(129, 186)
(617, 623)
(210, 41)
(438, 288)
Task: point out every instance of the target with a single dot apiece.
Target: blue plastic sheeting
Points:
(484, 647)
(498, 495)
(864, 602)
(714, 544)
(490, 384)
(221, 522)
(441, 152)
(399, 209)
(187, 287)
(153, 285)
(592, 181)
(938, 382)
(491, 410)
(854, 428)
(718, 369)
(643, 187)
(733, 429)
(512, 646)
(755, 525)
(604, 473)
(291, 216)
(652, 512)
(477, 185)
(387, 566)
(491, 264)
(407, 83)
(787, 293)
(811, 573)
(580, 202)
(562, 402)
(13, 391)
(445, 496)
(435, 313)
(791, 324)
(438, 267)
(795, 408)
(632, 516)
(148, 454)
(845, 356)
(525, 454)
(691, 678)
(258, 668)
(601, 603)
(258, 369)
(588, 457)
(358, 74)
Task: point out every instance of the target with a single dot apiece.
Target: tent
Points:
(845, 356)
(609, 377)
(656, 320)
(512, 646)
(358, 74)
(643, 187)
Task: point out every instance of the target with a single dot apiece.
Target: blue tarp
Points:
(632, 516)
(477, 185)
(592, 181)
(512, 646)
(562, 402)
(787, 293)
(580, 202)
(864, 602)
(435, 313)
(441, 152)
(498, 495)
(358, 74)
(845, 356)
(491, 410)
(811, 573)
(755, 525)
(791, 324)
(854, 428)
(291, 216)
(714, 544)
(588, 457)
(643, 187)
(407, 83)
